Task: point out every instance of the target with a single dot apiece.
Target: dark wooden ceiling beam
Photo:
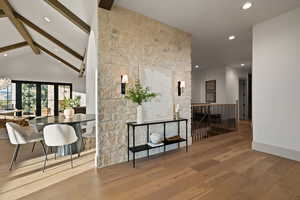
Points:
(69, 15)
(9, 12)
(2, 14)
(106, 4)
(48, 36)
(57, 58)
(12, 47)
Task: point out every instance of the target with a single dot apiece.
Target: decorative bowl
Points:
(155, 138)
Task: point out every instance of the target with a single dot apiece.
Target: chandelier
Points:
(4, 83)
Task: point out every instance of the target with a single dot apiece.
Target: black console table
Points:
(145, 147)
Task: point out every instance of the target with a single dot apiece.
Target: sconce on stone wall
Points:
(124, 81)
(181, 86)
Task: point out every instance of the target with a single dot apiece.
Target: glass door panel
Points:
(47, 100)
(29, 98)
(64, 91)
(8, 97)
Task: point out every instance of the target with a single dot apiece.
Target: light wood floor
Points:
(220, 168)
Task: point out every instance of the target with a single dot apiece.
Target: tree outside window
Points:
(29, 99)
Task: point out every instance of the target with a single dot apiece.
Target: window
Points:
(8, 97)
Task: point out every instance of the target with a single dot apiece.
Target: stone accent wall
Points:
(130, 43)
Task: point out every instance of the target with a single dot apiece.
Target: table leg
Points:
(178, 133)
(164, 136)
(133, 160)
(133, 138)
(186, 136)
(128, 145)
(148, 140)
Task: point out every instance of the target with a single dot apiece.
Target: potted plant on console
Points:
(69, 105)
(139, 95)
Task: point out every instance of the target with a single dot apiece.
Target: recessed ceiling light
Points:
(232, 37)
(243, 65)
(5, 54)
(197, 66)
(47, 19)
(247, 5)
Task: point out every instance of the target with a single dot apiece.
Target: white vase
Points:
(139, 114)
(69, 113)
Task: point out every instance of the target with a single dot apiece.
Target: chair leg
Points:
(84, 142)
(55, 153)
(45, 159)
(42, 143)
(70, 146)
(33, 146)
(80, 148)
(14, 158)
(17, 152)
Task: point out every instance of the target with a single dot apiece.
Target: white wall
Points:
(92, 77)
(199, 78)
(227, 79)
(40, 68)
(232, 76)
(91, 74)
(276, 96)
(196, 87)
(232, 85)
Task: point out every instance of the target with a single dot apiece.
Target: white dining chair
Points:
(57, 135)
(39, 128)
(35, 128)
(22, 135)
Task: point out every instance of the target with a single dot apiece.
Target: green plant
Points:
(138, 94)
(72, 103)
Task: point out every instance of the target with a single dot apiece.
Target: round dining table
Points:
(75, 122)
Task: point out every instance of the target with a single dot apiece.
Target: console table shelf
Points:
(145, 147)
(175, 141)
(142, 148)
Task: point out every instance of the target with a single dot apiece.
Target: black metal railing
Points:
(213, 119)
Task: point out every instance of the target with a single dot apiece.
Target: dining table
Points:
(76, 121)
(12, 112)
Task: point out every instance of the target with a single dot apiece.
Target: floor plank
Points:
(222, 167)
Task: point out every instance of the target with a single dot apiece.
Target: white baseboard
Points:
(278, 151)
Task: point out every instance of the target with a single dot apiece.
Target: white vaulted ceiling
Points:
(59, 27)
(211, 22)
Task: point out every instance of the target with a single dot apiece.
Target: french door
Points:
(41, 98)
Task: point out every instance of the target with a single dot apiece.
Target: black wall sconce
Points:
(181, 86)
(124, 81)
